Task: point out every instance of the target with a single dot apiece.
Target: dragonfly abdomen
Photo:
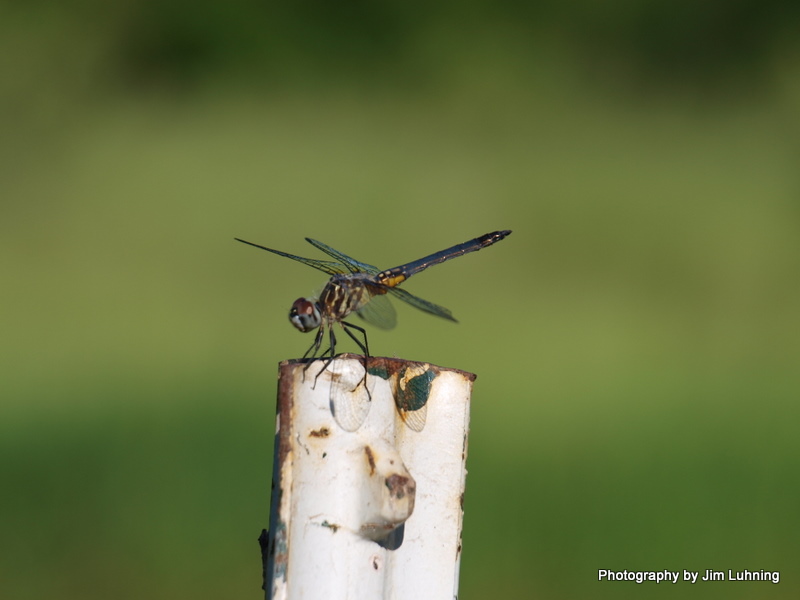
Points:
(394, 277)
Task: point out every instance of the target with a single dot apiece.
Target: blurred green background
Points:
(636, 339)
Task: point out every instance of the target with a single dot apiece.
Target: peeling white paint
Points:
(373, 513)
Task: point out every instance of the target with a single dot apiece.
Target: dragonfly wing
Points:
(352, 264)
(411, 393)
(329, 267)
(379, 312)
(349, 399)
(421, 304)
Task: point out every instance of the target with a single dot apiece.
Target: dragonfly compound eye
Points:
(305, 315)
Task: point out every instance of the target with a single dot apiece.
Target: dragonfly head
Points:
(305, 315)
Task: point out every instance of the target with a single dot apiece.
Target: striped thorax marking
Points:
(343, 295)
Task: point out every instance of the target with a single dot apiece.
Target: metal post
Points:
(368, 482)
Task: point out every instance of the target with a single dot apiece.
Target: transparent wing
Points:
(379, 312)
(352, 264)
(428, 307)
(349, 400)
(411, 393)
(329, 267)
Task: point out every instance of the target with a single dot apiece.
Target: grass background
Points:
(636, 339)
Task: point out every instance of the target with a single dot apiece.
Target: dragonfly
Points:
(363, 289)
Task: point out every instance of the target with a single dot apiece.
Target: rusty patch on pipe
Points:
(385, 367)
(370, 459)
(333, 527)
(400, 486)
(278, 543)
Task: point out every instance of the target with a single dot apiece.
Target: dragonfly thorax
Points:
(305, 315)
(345, 294)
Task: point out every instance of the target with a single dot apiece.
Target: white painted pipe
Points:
(368, 482)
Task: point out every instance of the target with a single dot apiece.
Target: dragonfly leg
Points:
(332, 350)
(317, 343)
(364, 348)
(312, 351)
